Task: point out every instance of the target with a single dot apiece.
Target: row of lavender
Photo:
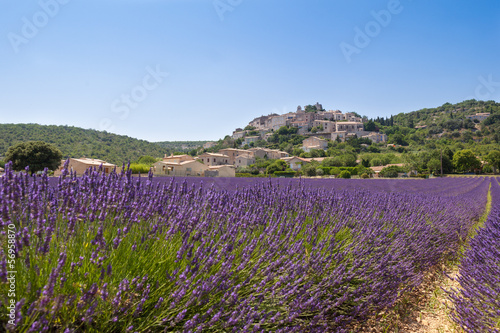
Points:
(477, 303)
(114, 253)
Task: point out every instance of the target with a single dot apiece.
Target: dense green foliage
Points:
(37, 155)
(77, 142)
(345, 174)
(139, 168)
(465, 160)
(391, 171)
(447, 121)
(183, 146)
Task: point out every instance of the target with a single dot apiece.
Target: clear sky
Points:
(165, 70)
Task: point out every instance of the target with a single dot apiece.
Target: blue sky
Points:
(165, 70)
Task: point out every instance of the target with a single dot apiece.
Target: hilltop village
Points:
(315, 125)
(313, 121)
(311, 141)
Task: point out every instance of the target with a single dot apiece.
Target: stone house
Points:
(80, 165)
(191, 168)
(244, 160)
(478, 116)
(210, 159)
(376, 137)
(238, 135)
(349, 126)
(221, 171)
(314, 143)
(249, 139)
(177, 158)
(328, 126)
(233, 153)
(209, 145)
(295, 162)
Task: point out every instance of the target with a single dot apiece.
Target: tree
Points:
(278, 165)
(149, 160)
(310, 168)
(283, 130)
(370, 126)
(493, 158)
(391, 171)
(465, 160)
(434, 166)
(345, 174)
(35, 154)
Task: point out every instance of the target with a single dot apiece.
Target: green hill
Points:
(78, 142)
(452, 117)
(181, 146)
(447, 123)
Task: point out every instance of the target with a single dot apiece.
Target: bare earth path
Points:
(427, 309)
(424, 310)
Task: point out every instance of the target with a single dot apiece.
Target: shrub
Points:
(365, 176)
(311, 172)
(35, 154)
(139, 168)
(487, 168)
(319, 172)
(391, 171)
(335, 171)
(345, 174)
(146, 160)
(249, 175)
(288, 174)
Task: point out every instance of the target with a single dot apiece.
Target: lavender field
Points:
(113, 253)
(478, 300)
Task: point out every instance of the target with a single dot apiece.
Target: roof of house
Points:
(244, 156)
(176, 156)
(288, 159)
(316, 138)
(234, 149)
(177, 163)
(373, 134)
(220, 166)
(93, 162)
(319, 159)
(214, 155)
(349, 123)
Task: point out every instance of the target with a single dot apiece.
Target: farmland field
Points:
(113, 253)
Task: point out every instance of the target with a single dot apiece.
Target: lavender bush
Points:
(477, 302)
(113, 253)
